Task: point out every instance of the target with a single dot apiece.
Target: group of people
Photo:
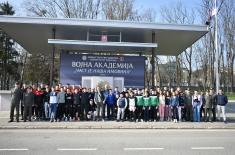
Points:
(70, 103)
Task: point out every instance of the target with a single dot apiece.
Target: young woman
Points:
(132, 106)
(161, 105)
(174, 105)
(197, 103)
(168, 112)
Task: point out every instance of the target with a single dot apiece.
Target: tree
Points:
(8, 54)
(179, 14)
(228, 28)
(86, 9)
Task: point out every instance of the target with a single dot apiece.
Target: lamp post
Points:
(216, 50)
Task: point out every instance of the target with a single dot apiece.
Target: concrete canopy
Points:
(35, 34)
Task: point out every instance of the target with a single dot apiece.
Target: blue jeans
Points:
(196, 113)
(47, 110)
(53, 107)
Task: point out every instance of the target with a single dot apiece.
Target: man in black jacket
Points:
(84, 103)
(15, 102)
(28, 100)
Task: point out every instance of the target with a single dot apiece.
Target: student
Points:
(53, 104)
(69, 105)
(174, 105)
(168, 112)
(91, 110)
(61, 104)
(161, 105)
(208, 106)
(154, 100)
(38, 103)
(84, 104)
(99, 99)
(77, 104)
(110, 104)
(139, 108)
(181, 110)
(222, 101)
(46, 98)
(121, 104)
(196, 102)
(132, 106)
(28, 100)
(188, 106)
(214, 104)
(105, 93)
(146, 105)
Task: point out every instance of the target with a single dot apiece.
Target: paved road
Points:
(117, 142)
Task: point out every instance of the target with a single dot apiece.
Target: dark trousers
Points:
(103, 110)
(60, 111)
(127, 113)
(39, 110)
(208, 114)
(13, 107)
(110, 111)
(153, 113)
(69, 110)
(175, 113)
(22, 109)
(132, 115)
(139, 112)
(214, 114)
(146, 114)
(84, 111)
(188, 112)
(27, 112)
(77, 111)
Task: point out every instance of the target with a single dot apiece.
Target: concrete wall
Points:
(5, 100)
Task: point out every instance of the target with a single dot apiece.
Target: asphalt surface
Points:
(117, 142)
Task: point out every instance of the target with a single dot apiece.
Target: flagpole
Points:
(216, 50)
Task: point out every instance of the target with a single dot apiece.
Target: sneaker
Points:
(10, 121)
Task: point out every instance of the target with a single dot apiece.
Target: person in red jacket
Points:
(38, 103)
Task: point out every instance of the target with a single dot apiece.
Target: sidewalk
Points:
(4, 117)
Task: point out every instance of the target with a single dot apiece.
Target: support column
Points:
(52, 59)
(152, 60)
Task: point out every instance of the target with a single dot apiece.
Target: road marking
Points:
(207, 148)
(77, 149)
(144, 149)
(24, 149)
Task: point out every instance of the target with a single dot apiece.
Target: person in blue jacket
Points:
(110, 104)
(174, 102)
(222, 101)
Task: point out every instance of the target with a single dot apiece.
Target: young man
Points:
(77, 104)
(121, 104)
(222, 101)
(84, 104)
(91, 110)
(61, 104)
(110, 104)
(53, 104)
(69, 105)
(188, 106)
(28, 100)
(15, 102)
(98, 99)
(38, 103)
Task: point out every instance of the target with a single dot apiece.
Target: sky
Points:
(140, 5)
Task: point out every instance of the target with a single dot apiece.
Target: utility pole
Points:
(216, 50)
